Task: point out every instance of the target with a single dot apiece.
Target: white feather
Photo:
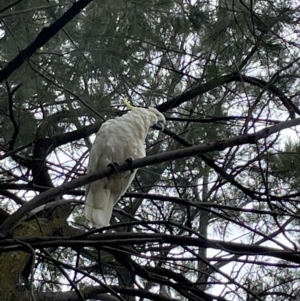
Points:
(117, 140)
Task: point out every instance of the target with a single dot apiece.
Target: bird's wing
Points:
(117, 140)
(114, 142)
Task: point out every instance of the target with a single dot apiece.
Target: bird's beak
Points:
(159, 126)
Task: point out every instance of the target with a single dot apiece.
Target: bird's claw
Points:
(129, 161)
(114, 166)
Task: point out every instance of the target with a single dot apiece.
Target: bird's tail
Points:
(99, 203)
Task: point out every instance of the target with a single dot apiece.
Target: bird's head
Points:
(157, 119)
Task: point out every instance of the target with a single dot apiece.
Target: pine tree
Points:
(213, 211)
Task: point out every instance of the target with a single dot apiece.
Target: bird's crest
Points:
(128, 105)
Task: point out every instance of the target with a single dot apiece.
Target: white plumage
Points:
(117, 140)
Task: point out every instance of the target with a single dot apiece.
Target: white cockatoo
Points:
(117, 140)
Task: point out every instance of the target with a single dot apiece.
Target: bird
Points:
(119, 139)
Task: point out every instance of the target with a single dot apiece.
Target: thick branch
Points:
(219, 81)
(99, 293)
(12, 118)
(44, 146)
(47, 145)
(46, 196)
(42, 38)
(127, 239)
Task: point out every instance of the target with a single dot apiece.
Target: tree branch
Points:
(42, 38)
(44, 146)
(98, 292)
(133, 238)
(232, 77)
(12, 118)
(46, 196)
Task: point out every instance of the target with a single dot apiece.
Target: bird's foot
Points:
(114, 166)
(129, 161)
